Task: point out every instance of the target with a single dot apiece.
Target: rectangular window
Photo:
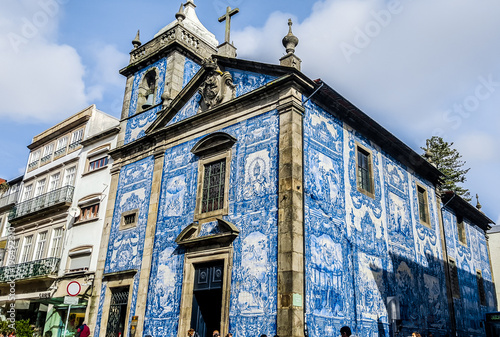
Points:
(47, 153)
(6, 226)
(455, 288)
(480, 287)
(76, 138)
(364, 171)
(26, 253)
(461, 230)
(213, 186)
(61, 146)
(56, 242)
(95, 164)
(34, 159)
(54, 182)
(69, 176)
(3, 226)
(11, 259)
(89, 212)
(79, 260)
(40, 187)
(27, 192)
(35, 156)
(40, 245)
(129, 219)
(423, 205)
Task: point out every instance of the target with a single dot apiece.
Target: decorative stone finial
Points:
(478, 205)
(136, 42)
(290, 41)
(180, 16)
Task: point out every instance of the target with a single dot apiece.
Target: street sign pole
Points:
(67, 317)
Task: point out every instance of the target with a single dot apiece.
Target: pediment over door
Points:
(207, 233)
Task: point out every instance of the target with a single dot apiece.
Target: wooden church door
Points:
(207, 298)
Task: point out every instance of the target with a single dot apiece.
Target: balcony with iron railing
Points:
(61, 196)
(45, 159)
(73, 145)
(32, 269)
(33, 164)
(9, 199)
(60, 152)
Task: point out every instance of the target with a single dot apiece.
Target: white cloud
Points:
(41, 80)
(107, 59)
(415, 70)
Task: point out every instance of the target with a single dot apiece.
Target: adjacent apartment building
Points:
(56, 223)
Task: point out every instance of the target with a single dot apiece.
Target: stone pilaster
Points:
(125, 109)
(93, 307)
(142, 295)
(449, 294)
(290, 217)
(174, 75)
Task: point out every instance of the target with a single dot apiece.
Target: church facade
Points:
(247, 198)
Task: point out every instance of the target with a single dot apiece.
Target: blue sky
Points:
(419, 68)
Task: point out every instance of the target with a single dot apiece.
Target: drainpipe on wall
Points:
(449, 294)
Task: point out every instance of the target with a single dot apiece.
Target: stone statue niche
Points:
(217, 88)
(147, 91)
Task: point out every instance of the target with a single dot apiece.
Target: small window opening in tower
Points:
(149, 90)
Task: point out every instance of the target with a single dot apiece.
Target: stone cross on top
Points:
(227, 17)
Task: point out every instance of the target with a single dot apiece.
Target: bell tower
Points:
(160, 68)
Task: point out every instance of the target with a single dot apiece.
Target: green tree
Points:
(21, 327)
(448, 160)
(3, 187)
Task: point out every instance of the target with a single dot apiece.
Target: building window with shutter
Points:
(90, 212)
(97, 164)
(79, 259)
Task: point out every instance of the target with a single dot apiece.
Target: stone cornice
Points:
(246, 106)
(177, 36)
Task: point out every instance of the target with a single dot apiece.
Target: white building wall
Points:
(90, 186)
(494, 246)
